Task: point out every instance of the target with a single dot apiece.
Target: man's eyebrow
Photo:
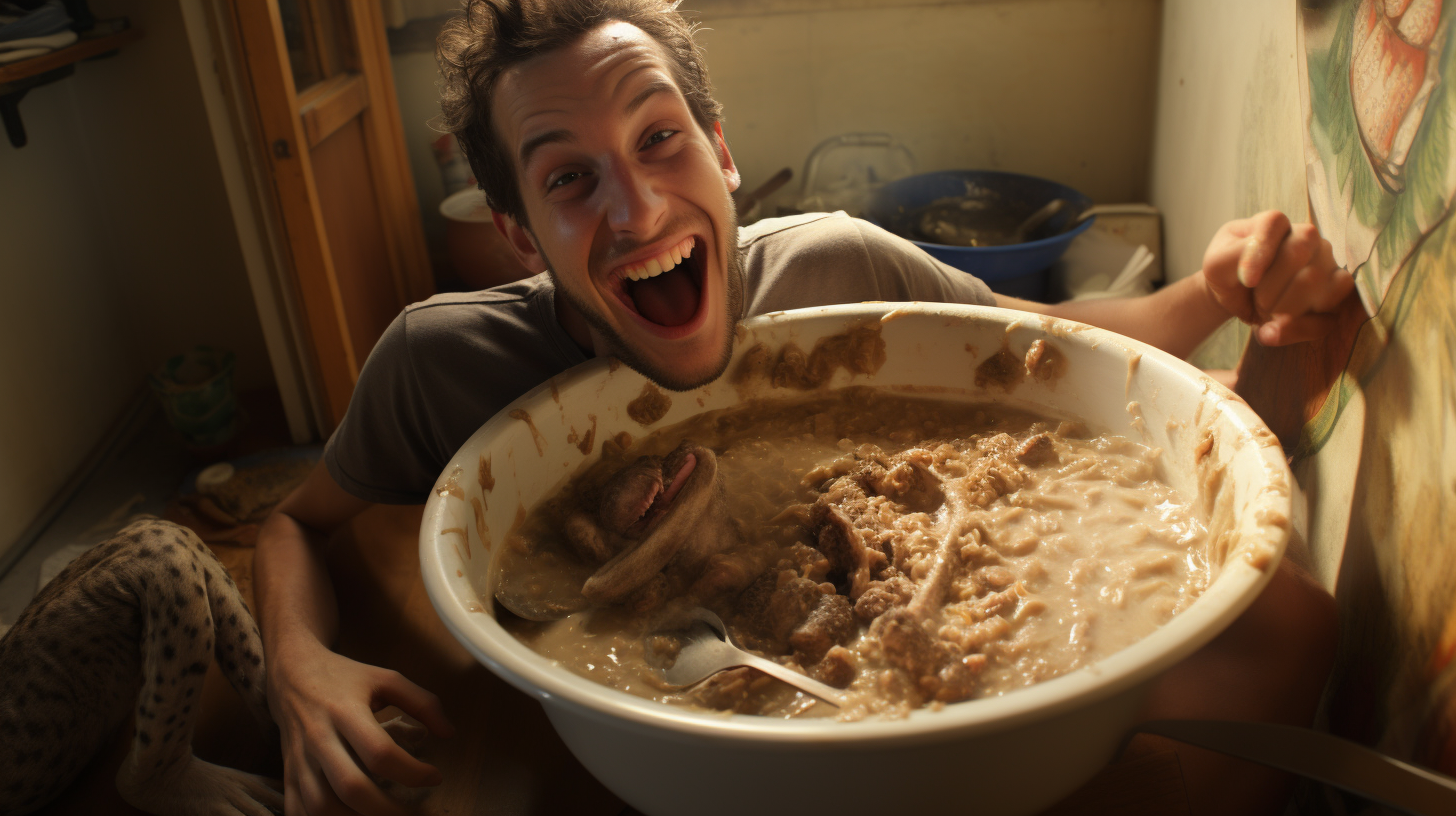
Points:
(653, 87)
(538, 141)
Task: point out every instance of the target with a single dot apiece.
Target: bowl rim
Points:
(1236, 586)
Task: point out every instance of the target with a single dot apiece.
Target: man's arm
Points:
(1279, 278)
(324, 702)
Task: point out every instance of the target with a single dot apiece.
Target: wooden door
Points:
(318, 77)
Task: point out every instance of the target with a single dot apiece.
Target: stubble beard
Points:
(617, 346)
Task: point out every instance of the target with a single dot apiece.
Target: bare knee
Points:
(1270, 665)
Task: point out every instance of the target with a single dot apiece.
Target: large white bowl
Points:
(1012, 754)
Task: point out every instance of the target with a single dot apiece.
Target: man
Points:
(592, 129)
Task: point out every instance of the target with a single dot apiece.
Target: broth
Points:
(913, 552)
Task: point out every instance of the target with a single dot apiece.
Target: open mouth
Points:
(679, 468)
(667, 289)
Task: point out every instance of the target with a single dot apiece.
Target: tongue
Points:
(670, 299)
(665, 498)
(679, 479)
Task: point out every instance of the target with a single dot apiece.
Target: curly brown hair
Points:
(490, 36)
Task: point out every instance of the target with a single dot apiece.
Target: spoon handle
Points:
(1320, 756)
(803, 682)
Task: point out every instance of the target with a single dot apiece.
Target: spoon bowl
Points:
(708, 649)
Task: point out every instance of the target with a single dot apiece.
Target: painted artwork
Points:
(1373, 441)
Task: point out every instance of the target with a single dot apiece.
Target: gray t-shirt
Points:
(448, 364)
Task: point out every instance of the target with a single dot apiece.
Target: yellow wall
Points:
(118, 251)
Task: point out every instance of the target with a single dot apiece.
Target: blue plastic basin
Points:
(1018, 270)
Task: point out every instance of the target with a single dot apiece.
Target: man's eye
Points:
(659, 136)
(563, 180)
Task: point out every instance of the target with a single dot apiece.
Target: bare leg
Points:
(1270, 665)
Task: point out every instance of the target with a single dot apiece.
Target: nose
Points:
(634, 206)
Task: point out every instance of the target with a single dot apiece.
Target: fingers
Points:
(352, 786)
(396, 690)
(307, 790)
(1283, 330)
(1288, 284)
(1300, 269)
(292, 799)
(1297, 299)
(259, 799)
(313, 795)
(409, 734)
(1340, 288)
(1265, 241)
(384, 757)
(334, 748)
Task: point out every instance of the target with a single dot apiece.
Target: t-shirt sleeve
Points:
(906, 272)
(381, 451)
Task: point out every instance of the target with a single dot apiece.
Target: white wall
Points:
(66, 362)
(118, 251)
(1057, 88)
(1229, 135)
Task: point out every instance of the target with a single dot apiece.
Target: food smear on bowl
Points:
(912, 552)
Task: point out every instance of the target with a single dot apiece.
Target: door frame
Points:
(265, 140)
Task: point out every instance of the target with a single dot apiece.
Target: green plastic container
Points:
(196, 392)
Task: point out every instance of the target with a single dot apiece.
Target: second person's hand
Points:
(1278, 277)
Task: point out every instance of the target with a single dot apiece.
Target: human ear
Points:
(522, 243)
(725, 159)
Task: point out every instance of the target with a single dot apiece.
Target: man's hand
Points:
(1279, 278)
(324, 704)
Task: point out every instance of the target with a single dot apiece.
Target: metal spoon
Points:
(1323, 757)
(1036, 219)
(710, 650)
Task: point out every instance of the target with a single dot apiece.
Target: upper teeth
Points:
(653, 267)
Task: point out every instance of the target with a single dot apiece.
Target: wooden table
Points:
(505, 757)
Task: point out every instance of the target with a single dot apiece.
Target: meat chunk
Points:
(1037, 451)
(830, 623)
(843, 544)
(907, 645)
(958, 678)
(910, 483)
(882, 596)
(772, 607)
(837, 669)
(809, 561)
(728, 574)
(731, 690)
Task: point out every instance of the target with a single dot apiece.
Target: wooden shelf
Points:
(83, 48)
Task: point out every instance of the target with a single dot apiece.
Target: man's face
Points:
(618, 182)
